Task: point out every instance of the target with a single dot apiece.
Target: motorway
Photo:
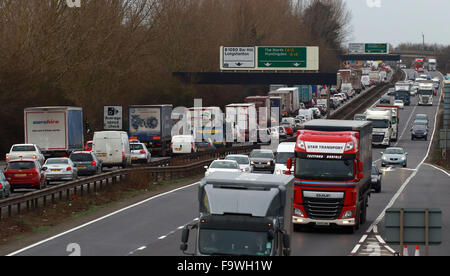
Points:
(153, 227)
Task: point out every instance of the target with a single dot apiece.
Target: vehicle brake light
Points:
(123, 155)
(7, 157)
(34, 156)
(171, 145)
(93, 163)
(69, 169)
(142, 152)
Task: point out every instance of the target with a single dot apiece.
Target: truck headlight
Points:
(348, 214)
(298, 213)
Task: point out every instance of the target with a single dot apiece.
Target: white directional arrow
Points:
(268, 64)
(296, 64)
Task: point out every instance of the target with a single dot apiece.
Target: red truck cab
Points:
(333, 159)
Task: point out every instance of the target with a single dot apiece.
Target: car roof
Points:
(236, 155)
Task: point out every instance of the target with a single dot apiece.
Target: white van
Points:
(307, 113)
(284, 152)
(183, 144)
(113, 148)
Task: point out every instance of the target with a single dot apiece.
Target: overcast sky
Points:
(396, 21)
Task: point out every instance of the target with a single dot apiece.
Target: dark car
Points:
(86, 162)
(262, 160)
(385, 100)
(375, 177)
(391, 92)
(419, 132)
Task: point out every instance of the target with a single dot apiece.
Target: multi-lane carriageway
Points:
(153, 227)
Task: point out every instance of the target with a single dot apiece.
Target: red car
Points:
(88, 146)
(289, 130)
(25, 174)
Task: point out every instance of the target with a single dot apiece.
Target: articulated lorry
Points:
(333, 161)
(56, 130)
(395, 119)
(382, 126)
(243, 214)
(152, 125)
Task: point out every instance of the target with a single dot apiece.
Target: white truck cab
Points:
(382, 126)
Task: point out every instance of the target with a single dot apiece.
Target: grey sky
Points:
(397, 21)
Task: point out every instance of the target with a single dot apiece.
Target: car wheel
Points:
(412, 138)
(426, 138)
(404, 165)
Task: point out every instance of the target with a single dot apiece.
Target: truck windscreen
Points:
(316, 169)
(425, 92)
(232, 242)
(379, 123)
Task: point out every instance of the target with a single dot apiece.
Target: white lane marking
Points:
(97, 220)
(400, 190)
(437, 168)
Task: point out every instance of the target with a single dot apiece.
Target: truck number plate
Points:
(101, 155)
(322, 223)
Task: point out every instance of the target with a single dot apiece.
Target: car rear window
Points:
(23, 148)
(57, 161)
(81, 157)
(136, 147)
(23, 165)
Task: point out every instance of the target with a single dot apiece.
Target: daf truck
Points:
(382, 126)
(333, 161)
(56, 130)
(243, 214)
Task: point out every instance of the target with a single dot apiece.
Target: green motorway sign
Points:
(282, 57)
(376, 48)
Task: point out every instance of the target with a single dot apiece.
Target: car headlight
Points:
(251, 162)
(384, 157)
(403, 158)
(268, 163)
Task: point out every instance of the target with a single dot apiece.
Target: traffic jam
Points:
(327, 165)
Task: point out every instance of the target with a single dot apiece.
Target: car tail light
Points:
(192, 145)
(142, 152)
(93, 163)
(34, 156)
(171, 145)
(7, 157)
(69, 169)
(123, 155)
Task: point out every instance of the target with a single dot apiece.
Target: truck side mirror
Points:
(184, 239)
(360, 166)
(289, 164)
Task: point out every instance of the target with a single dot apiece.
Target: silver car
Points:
(86, 162)
(60, 169)
(139, 153)
(394, 156)
(243, 161)
(5, 187)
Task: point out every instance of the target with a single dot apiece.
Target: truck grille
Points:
(323, 209)
(377, 138)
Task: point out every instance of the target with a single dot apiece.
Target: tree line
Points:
(123, 52)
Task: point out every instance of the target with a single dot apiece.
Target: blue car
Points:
(5, 188)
